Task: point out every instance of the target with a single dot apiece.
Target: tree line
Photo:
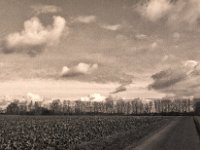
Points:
(135, 106)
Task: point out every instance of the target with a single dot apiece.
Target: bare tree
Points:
(56, 106)
(13, 108)
(78, 107)
(66, 107)
(109, 105)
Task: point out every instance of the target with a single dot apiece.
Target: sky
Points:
(97, 48)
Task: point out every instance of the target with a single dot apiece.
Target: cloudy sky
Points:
(125, 48)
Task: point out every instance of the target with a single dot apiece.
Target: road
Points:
(180, 134)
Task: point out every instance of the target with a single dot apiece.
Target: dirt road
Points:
(181, 134)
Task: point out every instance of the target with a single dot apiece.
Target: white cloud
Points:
(191, 63)
(176, 35)
(80, 69)
(85, 19)
(154, 45)
(34, 36)
(112, 27)
(191, 66)
(34, 97)
(155, 9)
(165, 58)
(3, 103)
(176, 12)
(44, 9)
(96, 97)
(141, 36)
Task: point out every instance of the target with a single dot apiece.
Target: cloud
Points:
(85, 19)
(141, 36)
(122, 87)
(167, 78)
(3, 103)
(165, 58)
(111, 27)
(179, 80)
(191, 63)
(33, 97)
(114, 98)
(96, 97)
(154, 45)
(44, 9)
(191, 66)
(119, 89)
(177, 12)
(155, 9)
(176, 35)
(80, 69)
(185, 12)
(34, 38)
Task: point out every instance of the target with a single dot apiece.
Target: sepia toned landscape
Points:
(99, 75)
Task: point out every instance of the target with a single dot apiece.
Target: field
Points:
(75, 132)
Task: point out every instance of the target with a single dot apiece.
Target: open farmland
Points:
(75, 132)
